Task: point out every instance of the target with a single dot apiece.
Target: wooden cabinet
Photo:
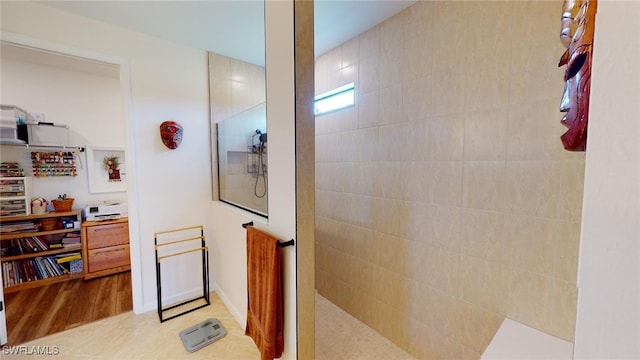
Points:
(105, 247)
(39, 250)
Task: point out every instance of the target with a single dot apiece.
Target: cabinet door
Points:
(107, 235)
(108, 258)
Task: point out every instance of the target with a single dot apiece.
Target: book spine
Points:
(25, 273)
(30, 245)
(5, 275)
(14, 274)
(19, 247)
(36, 270)
(68, 258)
(54, 266)
(43, 271)
(50, 269)
(33, 275)
(40, 243)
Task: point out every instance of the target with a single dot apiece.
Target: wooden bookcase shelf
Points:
(6, 237)
(73, 248)
(42, 282)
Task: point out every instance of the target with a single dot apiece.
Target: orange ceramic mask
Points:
(171, 134)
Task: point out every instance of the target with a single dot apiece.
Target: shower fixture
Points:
(258, 166)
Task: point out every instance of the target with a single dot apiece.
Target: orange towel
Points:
(264, 291)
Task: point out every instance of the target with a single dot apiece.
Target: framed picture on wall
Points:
(106, 170)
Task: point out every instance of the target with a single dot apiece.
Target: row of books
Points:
(26, 246)
(34, 244)
(69, 240)
(25, 270)
(22, 226)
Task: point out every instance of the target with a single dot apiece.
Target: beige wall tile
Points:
(488, 55)
(443, 227)
(527, 297)
(368, 111)
(568, 247)
(416, 98)
(418, 56)
(563, 310)
(369, 75)
(482, 234)
(530, 243)
(533, 188)
(483, 185)
(571, 189)
(443, 273)
(417, 181)
(370, 44)
(446, 183)
(390, 104)
(479, 128)
(478, 327)
(446, 134)
(480, 283)
(536, 50)
(350, 52)
(367, 145)
(449, 49)
(532, 134)
(391, 52)
(444, 314)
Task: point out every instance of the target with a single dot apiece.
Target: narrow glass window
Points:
(336, 99)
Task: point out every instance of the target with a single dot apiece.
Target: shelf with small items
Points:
(41, 249)
(13, 196)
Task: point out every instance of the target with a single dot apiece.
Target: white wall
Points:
(90, 104)
(230, 259)
(172, 189)
(608, 319)
(167, 81)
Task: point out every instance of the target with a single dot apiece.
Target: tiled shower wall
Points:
(237, 94)
(444, 199)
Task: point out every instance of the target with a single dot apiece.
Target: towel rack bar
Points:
(250, 223)
(286, 243)
(280, 244)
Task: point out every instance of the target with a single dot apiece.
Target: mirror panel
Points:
(242, 159)
(239, 128)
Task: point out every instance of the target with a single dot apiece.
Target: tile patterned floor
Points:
(339, 336)
(130, 336)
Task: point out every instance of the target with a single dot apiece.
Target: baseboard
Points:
(241, 319)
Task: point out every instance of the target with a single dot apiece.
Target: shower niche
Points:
(242, 160)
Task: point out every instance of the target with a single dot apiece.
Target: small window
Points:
(336, 99)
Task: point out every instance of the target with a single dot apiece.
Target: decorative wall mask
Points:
(171, 134)
(578, 24)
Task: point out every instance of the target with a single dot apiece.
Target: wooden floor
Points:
(45, 310)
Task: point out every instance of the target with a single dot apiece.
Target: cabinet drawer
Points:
(109, 257)
(107, 235)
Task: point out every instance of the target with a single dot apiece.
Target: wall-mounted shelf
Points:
(51, 147)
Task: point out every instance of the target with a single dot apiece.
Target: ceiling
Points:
(232, 28)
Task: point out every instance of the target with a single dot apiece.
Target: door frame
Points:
(125, 94)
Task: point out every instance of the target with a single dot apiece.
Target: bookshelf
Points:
(33, 248)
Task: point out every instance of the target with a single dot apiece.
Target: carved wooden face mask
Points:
(171, 134)
(578, 34)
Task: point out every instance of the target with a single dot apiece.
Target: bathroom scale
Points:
(198, 336)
